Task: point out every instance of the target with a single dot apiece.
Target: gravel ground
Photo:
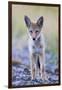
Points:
(21, 72)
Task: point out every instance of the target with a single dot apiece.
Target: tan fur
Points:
(36, 47)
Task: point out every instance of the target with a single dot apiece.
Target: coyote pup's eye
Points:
(37, 31)
(30, 31)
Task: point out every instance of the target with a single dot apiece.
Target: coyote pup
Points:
(36, 47)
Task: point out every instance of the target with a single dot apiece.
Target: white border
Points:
(4, 44)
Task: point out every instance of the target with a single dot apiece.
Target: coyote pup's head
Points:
(34, 28)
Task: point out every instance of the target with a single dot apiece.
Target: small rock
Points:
(26, 71)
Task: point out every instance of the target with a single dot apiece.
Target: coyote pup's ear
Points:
(40, 21)
(27, 21)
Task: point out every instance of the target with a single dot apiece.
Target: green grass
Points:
(50, 27)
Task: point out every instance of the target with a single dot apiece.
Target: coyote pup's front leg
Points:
(32, 68)
(42, 67)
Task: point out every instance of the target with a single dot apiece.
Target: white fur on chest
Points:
(37, 47)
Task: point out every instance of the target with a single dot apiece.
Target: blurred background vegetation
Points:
(50, 27)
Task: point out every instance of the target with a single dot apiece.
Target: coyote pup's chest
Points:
(37, 46)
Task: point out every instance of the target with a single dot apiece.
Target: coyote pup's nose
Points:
(33, 38)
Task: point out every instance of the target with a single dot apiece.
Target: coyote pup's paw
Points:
(44, 77)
